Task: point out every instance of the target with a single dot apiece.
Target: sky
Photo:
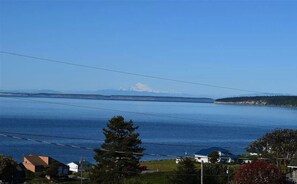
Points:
(244, 44)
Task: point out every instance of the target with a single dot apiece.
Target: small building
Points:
(77, 166)
(178, 159)
(36, 163)
(293, 166)
(225, 156)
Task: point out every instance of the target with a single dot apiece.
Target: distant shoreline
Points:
(273, 101)
(109, 97)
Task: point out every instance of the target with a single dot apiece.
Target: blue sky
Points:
(241, 44)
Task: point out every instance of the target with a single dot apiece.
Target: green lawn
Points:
(160, 165)
(163, 165)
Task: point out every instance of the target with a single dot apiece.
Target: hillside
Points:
(288, 101)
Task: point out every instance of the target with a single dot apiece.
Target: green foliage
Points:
(7, 168)
(116, 160)
(249, 156)
(135, 181)
(38, 180)
(186, 173)
(29, 174)
(156, 178)
(214, 157)
(260, 172)
(281, 143)
(216, 173)
(39, 174)
(52, 170)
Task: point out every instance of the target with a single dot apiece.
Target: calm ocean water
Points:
(190, 125)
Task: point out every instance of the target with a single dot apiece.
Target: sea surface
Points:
(166, 129)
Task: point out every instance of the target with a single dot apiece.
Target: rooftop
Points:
(36, 160)
(212, 149)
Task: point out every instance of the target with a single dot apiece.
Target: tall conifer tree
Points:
(118, 158)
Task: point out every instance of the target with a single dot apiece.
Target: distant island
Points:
(109, 97)
(287, 101)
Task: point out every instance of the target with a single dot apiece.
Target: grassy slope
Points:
(160, 165)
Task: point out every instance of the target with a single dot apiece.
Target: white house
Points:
(181, 158)
(77, 167)
(224, 155)
(73, 166)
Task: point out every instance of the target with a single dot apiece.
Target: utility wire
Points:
(127, 73)
(92, 149)
(131, 112)
(91, 139)
(116, 110)
(81, 147)
(108, 109)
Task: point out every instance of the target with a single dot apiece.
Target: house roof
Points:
(212, 149)
(36, 160)
(293, 162)
(225, 153)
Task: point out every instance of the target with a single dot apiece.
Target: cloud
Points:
(142, 88)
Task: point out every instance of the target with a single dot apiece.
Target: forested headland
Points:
(288, 101)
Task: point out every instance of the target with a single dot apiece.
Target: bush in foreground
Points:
(186, 172)
(260, 172)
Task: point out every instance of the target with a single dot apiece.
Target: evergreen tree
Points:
(216, 173)
(186, 173)
(214, 157)
(52, 170)
(7, 168)
(118, 158)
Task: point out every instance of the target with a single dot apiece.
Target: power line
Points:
(117, 110)
(81, 147)
(91, 139)
(128, 73)
(108, 109)
(131, 112)
(45, 142)
(92, 149)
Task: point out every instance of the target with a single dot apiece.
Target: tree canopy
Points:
(281, 143)
(52, 170)
(119, 155)
(186, 172)
(7, 168)
(217, 173)
(214, 157)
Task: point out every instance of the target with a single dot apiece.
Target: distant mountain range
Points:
(109, 97)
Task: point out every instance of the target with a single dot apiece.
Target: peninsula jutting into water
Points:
(287, 101)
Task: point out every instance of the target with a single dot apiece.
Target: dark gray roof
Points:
(225, 153)
(212, 149)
